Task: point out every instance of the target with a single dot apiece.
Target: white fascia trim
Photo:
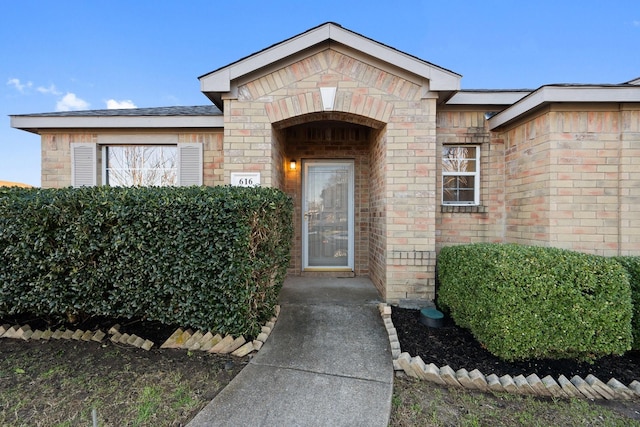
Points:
(487, 98)
(439, 78)
(85, 122)
(220, 81)
(578, 94)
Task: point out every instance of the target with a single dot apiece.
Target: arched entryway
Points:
(332, 95)
(334, 187)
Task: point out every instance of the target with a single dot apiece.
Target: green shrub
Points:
(207, 258)
(632, 265)
(526, 302)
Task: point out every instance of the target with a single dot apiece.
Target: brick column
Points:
(248, 137)
(411, 201)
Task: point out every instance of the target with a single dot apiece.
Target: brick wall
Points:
(56, 157)
(248, 138)
(527, 182)
(212, 155)
(455, 224)
(571, 179)
(279, 159)
(567, 177)
(630, 180)
(584, 178)
(411, 200)
(378, 213)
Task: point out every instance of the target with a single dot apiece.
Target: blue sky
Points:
(57, 55)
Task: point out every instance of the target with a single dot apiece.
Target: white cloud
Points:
(49, 90)
(112, 104)
(20, 87)
(636, 23)
(71, 102)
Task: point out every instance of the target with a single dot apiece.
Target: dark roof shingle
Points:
(198, 110)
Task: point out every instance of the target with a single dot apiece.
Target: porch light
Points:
(292, 165)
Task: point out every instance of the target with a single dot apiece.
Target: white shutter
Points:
(189, 164)
(83, 164)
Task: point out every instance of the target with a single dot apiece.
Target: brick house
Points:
(386, 158)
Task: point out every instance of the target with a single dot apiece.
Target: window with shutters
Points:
(140, 165)
(125, 165)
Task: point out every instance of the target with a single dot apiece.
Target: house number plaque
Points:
(245, 179)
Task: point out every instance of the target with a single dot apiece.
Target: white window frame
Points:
(475, 174)
(105, 148)
(190, 155)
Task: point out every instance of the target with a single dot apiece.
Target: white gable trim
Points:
(575, 94)
(219, 81)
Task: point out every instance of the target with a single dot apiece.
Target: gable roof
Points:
(566, 93)
(201, 116)
(219, 81)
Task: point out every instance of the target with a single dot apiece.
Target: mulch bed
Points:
(151, 330)
(456, 347)
(448, 345)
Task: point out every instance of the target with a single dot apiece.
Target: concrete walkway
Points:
(327, 362)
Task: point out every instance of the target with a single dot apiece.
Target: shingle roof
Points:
(199, 110)
(202, 116)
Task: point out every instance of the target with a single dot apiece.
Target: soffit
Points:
(487, 97)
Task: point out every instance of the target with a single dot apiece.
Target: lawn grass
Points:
(421, 403)
(61, 384)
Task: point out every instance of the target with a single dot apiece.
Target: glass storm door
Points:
(327, 208)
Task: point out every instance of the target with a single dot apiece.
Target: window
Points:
(115, 164)
(140, 165)
(460, 175)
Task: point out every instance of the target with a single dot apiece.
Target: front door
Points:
(327, 208)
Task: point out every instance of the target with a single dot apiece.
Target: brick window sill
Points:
(463, 209)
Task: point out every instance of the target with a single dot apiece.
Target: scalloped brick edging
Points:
(589, 387)
(206, 341)
(126, 339)
(24, 332)
(179, 339)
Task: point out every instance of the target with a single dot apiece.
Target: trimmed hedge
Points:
(207, 258)
(527, 302)
(632, 265)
